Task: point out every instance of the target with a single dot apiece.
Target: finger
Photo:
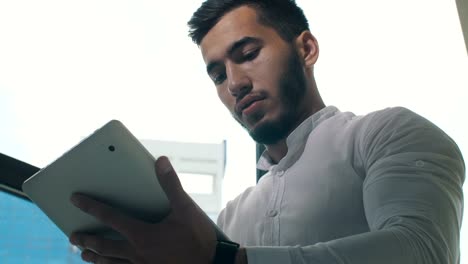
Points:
(104, 247)
(92, 257)
(170, 182)
(107, 215)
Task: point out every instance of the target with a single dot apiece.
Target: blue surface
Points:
(28, 236)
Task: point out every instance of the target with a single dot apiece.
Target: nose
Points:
(238, 82)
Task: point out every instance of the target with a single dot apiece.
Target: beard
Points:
(292, 87)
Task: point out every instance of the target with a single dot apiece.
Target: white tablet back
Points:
(112, 166)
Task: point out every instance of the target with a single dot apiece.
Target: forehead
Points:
(233, 26)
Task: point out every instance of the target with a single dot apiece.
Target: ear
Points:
(307, 47)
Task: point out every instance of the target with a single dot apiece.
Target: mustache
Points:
(247, 99)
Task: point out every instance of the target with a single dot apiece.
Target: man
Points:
(382, 188)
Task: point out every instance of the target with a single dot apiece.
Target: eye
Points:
(251, 54)
(219, 78)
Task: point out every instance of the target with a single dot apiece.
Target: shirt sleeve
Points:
(412, 195)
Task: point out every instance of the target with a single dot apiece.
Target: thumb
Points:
(170, 182)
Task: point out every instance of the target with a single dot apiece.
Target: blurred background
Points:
(68, 67)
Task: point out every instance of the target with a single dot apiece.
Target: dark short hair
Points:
(282, 15)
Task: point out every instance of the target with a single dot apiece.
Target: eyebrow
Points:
(236, 45)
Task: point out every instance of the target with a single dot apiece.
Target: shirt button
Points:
(280, 173)
(272, 213)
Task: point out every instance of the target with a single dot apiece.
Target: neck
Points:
(278, 150)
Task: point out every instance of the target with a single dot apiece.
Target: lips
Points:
(247, 101)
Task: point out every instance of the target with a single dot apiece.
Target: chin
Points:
(269, 132)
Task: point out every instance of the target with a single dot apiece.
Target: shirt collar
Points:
(296, 141)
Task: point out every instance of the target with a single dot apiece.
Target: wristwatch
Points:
(226, 252)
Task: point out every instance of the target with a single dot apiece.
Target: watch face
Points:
(226, 252)
(228, 243)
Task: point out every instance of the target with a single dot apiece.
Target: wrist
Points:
(241, 256)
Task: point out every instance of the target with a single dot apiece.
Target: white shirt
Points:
(375, 189)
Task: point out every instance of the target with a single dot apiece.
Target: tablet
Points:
(110, 165)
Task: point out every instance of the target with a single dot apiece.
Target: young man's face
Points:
(259, 76)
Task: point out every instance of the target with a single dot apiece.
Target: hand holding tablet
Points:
(186, 235)
(118, 204)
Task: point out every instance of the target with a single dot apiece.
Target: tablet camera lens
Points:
(111, 148)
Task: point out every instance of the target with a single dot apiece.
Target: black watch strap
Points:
(226, 252)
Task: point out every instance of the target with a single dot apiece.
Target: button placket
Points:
(272, 213)
(269, 237)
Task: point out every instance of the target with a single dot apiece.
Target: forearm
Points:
(393, 245)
